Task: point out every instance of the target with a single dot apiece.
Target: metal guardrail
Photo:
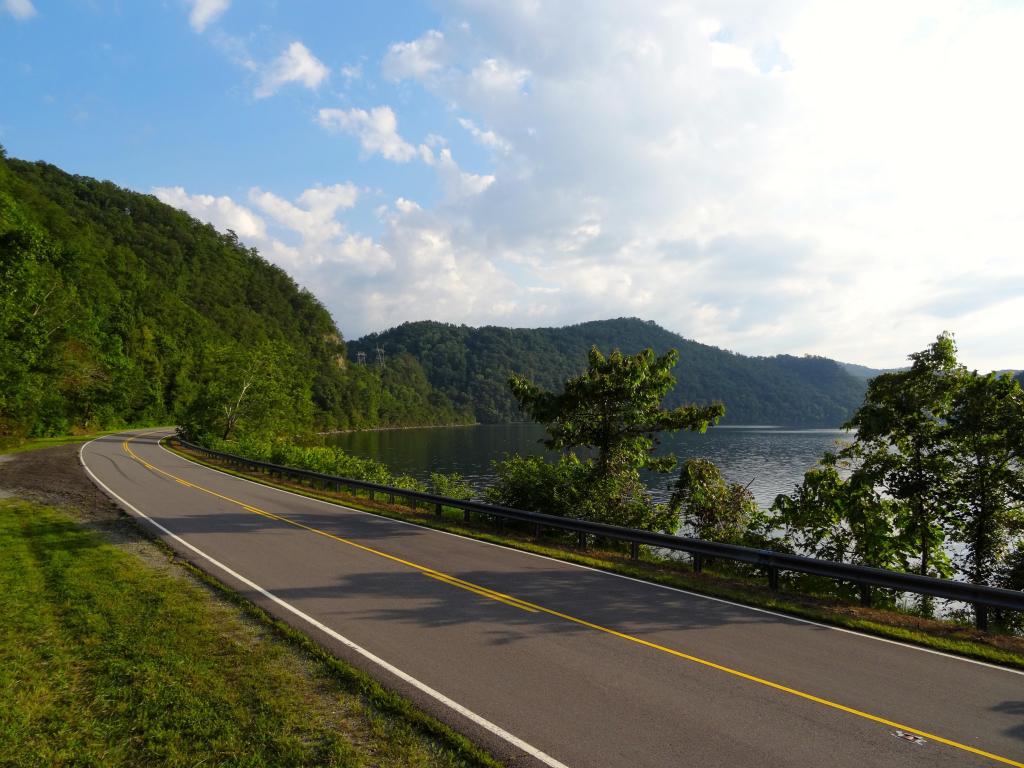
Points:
(863, 576)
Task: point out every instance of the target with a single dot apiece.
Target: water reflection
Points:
(772, 459)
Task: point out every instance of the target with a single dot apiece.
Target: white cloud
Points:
(754, 177)
(20, 9)
(295, 65)
(315, 216)
(206, 11)
(352, 72)
(496, 75)
(456, 182)
(729, 56)
(416, 59)
(486, 138)
(377, 131)
(222, 212)
(305, 236)
(798, 176)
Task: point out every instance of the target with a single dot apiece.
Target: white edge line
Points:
(767, 611)
(404, 676)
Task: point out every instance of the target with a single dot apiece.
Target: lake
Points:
(771, 459)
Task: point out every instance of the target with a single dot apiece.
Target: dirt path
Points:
(55, 477)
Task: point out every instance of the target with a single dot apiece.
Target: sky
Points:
(841, 179)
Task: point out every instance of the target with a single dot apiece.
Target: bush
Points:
(452, 485)
(570, 487)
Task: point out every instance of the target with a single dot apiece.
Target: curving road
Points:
(548, 663)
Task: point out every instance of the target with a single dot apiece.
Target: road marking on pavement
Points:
(481, 591)
(469, 714)
(455, 581)
(239, 475)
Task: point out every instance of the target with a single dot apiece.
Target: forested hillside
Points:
(118, 309)
(472, 365)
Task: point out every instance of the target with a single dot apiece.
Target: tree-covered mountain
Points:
(866, 372)
(472, 365)
(118, 309)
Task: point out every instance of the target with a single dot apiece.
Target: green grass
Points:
(106, 660)
(939, 635)
(35, 443)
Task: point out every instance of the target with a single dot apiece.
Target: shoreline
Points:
(330, 432)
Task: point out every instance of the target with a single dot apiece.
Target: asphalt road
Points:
(547, 663)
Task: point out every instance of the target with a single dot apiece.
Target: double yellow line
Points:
(534, 608)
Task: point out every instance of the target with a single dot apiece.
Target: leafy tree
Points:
(900, 444)
(841, 519)
(985, 431)
(938, 455)
(714, 509)
(1010, 575)
(250, 391)
(113, 305)
(613, 408)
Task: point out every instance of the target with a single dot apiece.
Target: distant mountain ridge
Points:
(866, 372)
(471, 366)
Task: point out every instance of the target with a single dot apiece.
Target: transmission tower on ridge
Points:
(380, 356)
(361, 358)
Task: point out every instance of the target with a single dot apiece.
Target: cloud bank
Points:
(795, 177)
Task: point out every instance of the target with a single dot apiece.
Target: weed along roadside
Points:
(115, 652)
(714, 579)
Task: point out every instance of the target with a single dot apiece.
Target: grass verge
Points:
(931, 633)
(107, 660)
(36, 443)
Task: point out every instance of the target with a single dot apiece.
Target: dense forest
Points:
(472, 366)
(118, 309)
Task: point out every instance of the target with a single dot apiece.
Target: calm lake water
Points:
(771, 459)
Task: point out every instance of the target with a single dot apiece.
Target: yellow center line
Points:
(481, 591)
(532, 607)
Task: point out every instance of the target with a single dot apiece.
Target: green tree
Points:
(841, 519)
(615, 408)
(985, 432)
(714, 509)
(256, 391)
(36, 310)
(901, 446)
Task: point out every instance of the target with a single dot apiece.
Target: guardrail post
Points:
(391, 498)
(634, 550)
(501, 525)
(773, 577)
(437, 510)
(465, 515)
(373, 495)
(698, 563)
(581, 540)
(981, 616)
(536, 530)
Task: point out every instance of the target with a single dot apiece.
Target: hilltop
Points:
(471, 366)
(117, 309)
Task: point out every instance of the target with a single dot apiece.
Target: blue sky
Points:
(795, 177)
